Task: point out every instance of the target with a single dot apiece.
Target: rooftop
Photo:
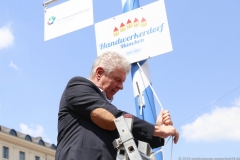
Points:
(36, 140)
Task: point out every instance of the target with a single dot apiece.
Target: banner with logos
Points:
(67, 17)
(138, 35)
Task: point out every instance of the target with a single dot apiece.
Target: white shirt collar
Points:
(109, 100)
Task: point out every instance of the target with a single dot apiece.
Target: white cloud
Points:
(14, 66)
(6, 37)
(34, 131)
(237, 102)
(221, 124)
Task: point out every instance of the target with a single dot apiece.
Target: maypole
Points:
(143, 95)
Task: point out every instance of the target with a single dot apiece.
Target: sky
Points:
(198, 82)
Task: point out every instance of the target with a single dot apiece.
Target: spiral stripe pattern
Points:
(148, 112)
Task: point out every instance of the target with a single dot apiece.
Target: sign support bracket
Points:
(46, 3)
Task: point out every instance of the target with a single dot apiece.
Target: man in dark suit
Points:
(86, 116)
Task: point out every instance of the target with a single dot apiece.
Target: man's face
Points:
(113, 82)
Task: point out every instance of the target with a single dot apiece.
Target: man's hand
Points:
(164, 126)
(164, 118)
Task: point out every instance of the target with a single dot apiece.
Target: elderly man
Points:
(86, 116)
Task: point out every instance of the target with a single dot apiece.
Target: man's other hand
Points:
(164, 128)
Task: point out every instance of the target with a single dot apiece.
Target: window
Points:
(5, 152)
(28, 138)
(37, 158)
(53, 147)
(41, 142)
(13, 132)
(21, 156)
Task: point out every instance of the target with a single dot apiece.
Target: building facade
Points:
(18, 146)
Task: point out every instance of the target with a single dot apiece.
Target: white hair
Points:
(110, 61)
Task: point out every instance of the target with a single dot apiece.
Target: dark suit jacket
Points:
(81, 139)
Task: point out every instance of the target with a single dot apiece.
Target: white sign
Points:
(67, 17)
(138, 34)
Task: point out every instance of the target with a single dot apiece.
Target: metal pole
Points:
(143, 95)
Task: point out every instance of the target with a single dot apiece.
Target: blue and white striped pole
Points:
(143, 95)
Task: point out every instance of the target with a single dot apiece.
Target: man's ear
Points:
(99, 72)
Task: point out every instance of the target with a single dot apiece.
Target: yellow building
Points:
(19, 146)
(122, 27)
(136, 22)
(143, 22)
(115, 31)
(129, 24)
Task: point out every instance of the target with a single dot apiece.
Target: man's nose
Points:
(120, 86)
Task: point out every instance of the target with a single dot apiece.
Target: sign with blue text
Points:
(67, 17)
(138, 35)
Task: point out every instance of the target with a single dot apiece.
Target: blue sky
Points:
(198, 82)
